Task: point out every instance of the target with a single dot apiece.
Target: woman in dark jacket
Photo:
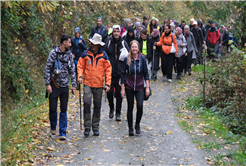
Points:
(156, 38)
(146, 45)
(134, 77)
(129, 36)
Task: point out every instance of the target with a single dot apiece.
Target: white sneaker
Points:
(169, 80)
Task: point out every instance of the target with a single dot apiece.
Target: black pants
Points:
(180, 64)
(167, 62)
(188, 60)
(139, 95)
(110, 95)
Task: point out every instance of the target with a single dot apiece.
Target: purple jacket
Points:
(134, 76)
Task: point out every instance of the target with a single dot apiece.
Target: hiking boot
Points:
(53, 132)
(155, 78)
(189, 71)
(131, 132)
(118, 117)
(87, 132)
(137, 128)
(111, 113)
(96, 132)
(63, 138)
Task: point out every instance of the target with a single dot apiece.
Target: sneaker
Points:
(111, 113)
(87, 132)
(96, 132)
(169, 80)
(63, 138)
(118, 118)
(53, 132)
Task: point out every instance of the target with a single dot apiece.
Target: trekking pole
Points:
(153, 64)
(80, 107)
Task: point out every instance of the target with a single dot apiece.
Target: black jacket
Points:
(149, 47)
(203, 31)
(198, 35)
(157, 53)
(127, 38)
(109, 48)
(81, 47)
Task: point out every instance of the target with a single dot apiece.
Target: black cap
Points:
(210, 21)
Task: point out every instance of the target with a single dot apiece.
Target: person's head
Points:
(96, 42)
(200, 19)
(66, 42)
(145, 19)
(116, 32)
(99, 21)
(212, 24)
(130, 31)
(170, 20)
(143, 34)
(153, 21)
(195, 25)
(172, 26)
(157, 22)
(230, 27)
(192, 21)
(209, 23)
(187, 29)
(176, 24)
(140, 27)
(155, 33)
(167, 28)
(217, 25)
(222, 28)
(183, 23)
(127, 23)
(165, 22)
(178, 31)
(199, 23)
(134, 49)
(77, 32)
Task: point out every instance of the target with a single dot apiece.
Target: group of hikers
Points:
(118, 61)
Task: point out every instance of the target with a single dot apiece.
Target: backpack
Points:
(122, 42)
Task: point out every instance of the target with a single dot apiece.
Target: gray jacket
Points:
(67, 66)
(182, 49)
(191, 44)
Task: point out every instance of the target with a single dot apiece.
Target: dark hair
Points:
(145, 18)
(183, 22)
(168, 26)
(144, 31)
(151, 26)
(65, 37)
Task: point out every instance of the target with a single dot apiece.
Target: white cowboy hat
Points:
(97, 39)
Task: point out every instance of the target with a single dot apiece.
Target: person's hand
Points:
(204, 42)
(107, 88)
(80, 41)
(154, 47)
(176, 54)
(203, 45)
(196, 51)
(147, 92)
(181, 45)
(185, 54)
(73, 56)
(122, 92)
(80, 80)
(155, 43)
(49, 89)
(73, 90)
(222, 42)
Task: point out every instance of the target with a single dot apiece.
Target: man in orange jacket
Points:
(94, 64)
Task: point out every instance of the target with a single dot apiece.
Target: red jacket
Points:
(213, 36)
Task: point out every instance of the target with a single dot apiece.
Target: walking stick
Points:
(80, 107)
(153, 64)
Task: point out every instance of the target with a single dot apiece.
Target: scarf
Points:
(187, 34)
(167, 34)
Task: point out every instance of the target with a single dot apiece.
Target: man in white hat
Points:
(198, 35)
(93, 64)
(191, 23)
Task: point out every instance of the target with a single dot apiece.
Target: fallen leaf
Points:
(51, 149)
(106, 150)
(169, 132)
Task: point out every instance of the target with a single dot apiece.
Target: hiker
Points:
(181, 42)
(223, 39)
(213, 36)
(156, 38)
(93, 65)
(162, 28)
(59, 64)
(231, 39)
(176, 25)
(145, 22)
(198, 35)
(191, 23)
(134, 77)
(100, 29)
(157, 22)
(208, 25)
(183, 23)
(200, 25)
(113, 49)
(191, 49)
(124, 28)
(146, 47)
(170, 21)
(129, 36)
(137, 30)
(167, 57)
(172, 27)
(78, 45)
(152, 26)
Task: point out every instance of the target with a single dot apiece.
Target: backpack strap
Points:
(109, 42)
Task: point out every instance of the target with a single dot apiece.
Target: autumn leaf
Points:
(169, 132)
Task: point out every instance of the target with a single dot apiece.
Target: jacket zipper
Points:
(135, 75)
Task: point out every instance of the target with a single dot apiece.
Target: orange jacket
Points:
(166, 43)
(94, 68)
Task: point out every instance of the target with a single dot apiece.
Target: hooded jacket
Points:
(78, 49)
(67, 67)
(124, 28)
(93, 67)
(103, 32)
(213, 35)
(198, 35)
(203, 30)
(137, 32)
(127, 37)
(112, 48)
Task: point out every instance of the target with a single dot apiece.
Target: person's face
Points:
(77, 34)
(213, 25)
(171, 28)
(116, 33)
(170, 21)
(157, 22)
(67, 44)
(140, 27)
(187, 30)
(191, 22)
(209, 24)
(145, 21)
(130, 34)
(153, 22)
(195, 26)
(95, 48)
(200, 25)
(230, 28)
(134, 48)
(176, 25)
(129, 24)
(99, 22)
(176, 31)
(167, 29)
(183, 23)
(143, 36)
(221, 28)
